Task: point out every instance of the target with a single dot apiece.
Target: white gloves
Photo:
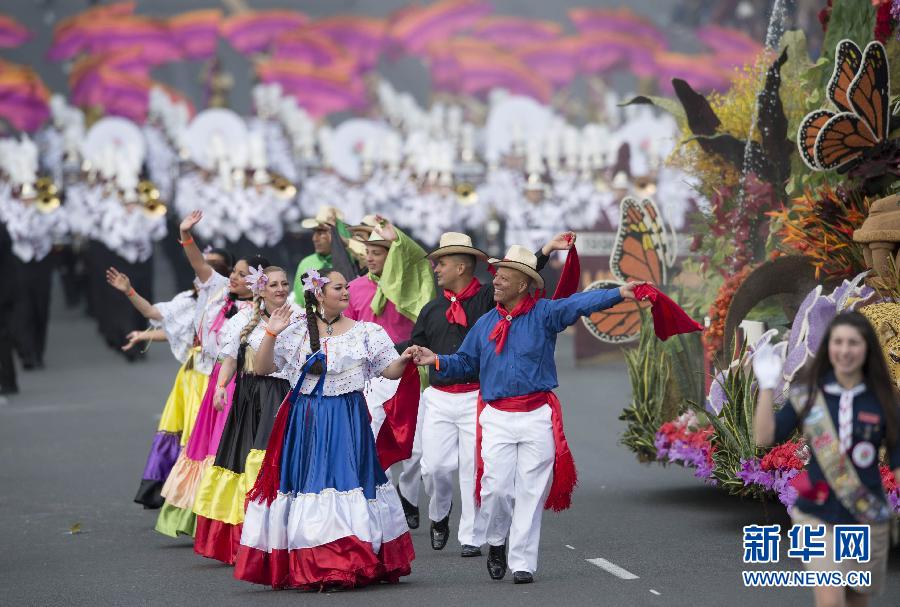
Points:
(767, 366)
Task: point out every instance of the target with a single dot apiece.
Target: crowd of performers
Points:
(295, 397)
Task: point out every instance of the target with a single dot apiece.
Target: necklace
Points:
(329, 328)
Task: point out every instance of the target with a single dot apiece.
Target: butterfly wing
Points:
(618, 324)
(847, 59)
(807, 134)
(843, 139)
(869, 93)
(662, 237)
(638, 253)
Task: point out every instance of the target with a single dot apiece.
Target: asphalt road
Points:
(73, 444)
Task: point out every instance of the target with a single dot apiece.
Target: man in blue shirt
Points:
(520, 438)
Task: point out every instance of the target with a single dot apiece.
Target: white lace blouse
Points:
(231, 335)
(178, 323)
(211, 296)
(352, 358)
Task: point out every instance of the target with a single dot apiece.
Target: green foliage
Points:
(853, 19)
(694, 299)
(654, 398)
(733, 436)
(685, 353)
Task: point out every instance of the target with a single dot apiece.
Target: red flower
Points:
(825, 16)
(888, 479)
(883, 23)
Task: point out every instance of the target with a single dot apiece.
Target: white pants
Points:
(410, 481)
(518, 452)
(448, 445)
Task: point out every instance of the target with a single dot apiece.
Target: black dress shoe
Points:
(440, 531)
(496, 562)
(411, 512)
(468, 551)
(522, 577)
(8, 390)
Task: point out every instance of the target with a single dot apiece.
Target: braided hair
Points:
(257, 308)
(312, 326)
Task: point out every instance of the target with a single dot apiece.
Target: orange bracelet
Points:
(185, 243)
(130, 292)
(437, 363)
(275, 335)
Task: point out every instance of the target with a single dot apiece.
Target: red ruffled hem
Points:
(217, 540)
(348, 562)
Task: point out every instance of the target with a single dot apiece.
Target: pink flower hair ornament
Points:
(256, 280)
(314, 282)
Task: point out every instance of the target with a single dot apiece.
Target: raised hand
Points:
(561, 242)
(190, 221)
(280, 319)
(385, 229)
(627, 290)
(118, 280)
(767, 367)
(133, 339)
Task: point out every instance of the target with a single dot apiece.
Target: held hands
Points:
(280, 319)
(118, 281)
(767, 367)
(220, 397)
(190, 221)
(627, 290)
(420, 355)
(561, 242)
(134, 338)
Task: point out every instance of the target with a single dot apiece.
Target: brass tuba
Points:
(282, 186)
(466, 194)
(148, 195)
(47, 199)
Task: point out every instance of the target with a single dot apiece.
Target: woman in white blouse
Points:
(322, 513)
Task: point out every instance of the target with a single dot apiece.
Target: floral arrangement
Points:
(820, 225)
(775, 471)
(687, 441)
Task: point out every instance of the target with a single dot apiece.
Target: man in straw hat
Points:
(396, 287)
(321, 225)
(521, 443)
(449, 405)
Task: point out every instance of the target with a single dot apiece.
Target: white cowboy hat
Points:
(325, 217)
(365, 226)
(377, 239)
(455, 243)
(521, 259)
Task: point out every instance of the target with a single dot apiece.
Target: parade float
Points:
(798, 160)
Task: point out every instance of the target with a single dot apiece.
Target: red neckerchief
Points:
(501, 329)
(455, 313)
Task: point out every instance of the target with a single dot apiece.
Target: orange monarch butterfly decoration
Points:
(860, 90)
(644, 250)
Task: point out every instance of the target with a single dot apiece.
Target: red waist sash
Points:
(458, 388)
(565, 476)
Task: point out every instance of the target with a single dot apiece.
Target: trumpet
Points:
(466, 194)
(148, 196)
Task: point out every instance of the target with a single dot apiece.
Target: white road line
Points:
(654, 592)
(570, 547)
(613, 569)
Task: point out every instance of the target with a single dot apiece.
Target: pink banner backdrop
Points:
(467, 48)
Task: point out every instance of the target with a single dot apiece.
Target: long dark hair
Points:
(312, 326)
(875, 371)
(254, 261)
